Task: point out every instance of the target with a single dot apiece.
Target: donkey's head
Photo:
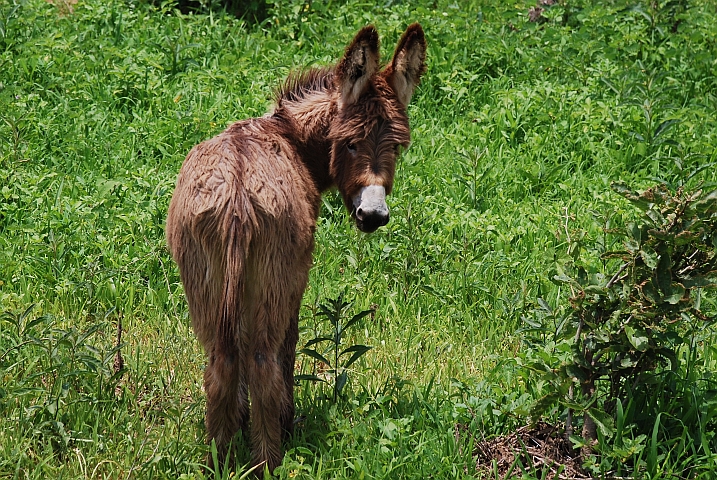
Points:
(371, 125)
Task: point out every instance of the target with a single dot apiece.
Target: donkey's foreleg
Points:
(288, 358)
(227, 403)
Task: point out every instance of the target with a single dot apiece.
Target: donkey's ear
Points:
(360, 62)
(408, 63)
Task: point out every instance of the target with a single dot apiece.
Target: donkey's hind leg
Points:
(288, 358)
(267, 391)
(227, 402)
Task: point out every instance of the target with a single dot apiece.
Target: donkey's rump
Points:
(240, 188)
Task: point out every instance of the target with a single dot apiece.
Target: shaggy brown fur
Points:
(242, 219)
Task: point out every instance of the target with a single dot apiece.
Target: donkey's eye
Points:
(351, 147)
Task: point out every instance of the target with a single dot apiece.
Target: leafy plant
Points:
(176, 61)
(335, 370)
(629, 326)
(56, 373)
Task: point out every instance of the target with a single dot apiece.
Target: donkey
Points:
(242, 218)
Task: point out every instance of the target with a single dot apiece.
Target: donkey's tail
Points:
(226, 407)
(236, 250)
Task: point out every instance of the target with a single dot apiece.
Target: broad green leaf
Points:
(329, 313)
(561, 326)
(650, 292)
(341, 381)
(544, 305)
(358, 350)
(677, 291)
(34, 322)
(634, 232)
(664, 126)
(707, 280)
(656, 218)
(603, 421)
(658, 195)
(595, 289)
(663, 273)
(24, 315)
(627, 362)
(649, 256)
(572, 405)
(314, 354)
(637, 338)
(621, 188)
(663, 235)
(707, 205)
(106, 186)
(543, 404)
(576, 372)
(538, 367)
(632, 246)
(355, 348)
(563, 279)
(578, 442)
(316, 340)
(356, 318)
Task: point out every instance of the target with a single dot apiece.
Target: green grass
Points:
(518, 130)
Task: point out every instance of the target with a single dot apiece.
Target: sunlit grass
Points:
(517, 131)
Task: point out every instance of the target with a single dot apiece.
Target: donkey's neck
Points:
(309, 117)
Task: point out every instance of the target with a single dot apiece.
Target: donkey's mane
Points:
(300, 85)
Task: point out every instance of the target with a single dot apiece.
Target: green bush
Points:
(630, 337)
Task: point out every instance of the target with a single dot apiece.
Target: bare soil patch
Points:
(64, 7)
(530, 449)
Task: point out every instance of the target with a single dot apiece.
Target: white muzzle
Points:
(370, 209)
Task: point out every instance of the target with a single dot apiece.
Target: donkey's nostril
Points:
(371, 221)
(359, 213)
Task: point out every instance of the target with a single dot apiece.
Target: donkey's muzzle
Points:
(370, 209)
(369, 222)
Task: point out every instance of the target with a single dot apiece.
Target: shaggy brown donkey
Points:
(242, 219)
